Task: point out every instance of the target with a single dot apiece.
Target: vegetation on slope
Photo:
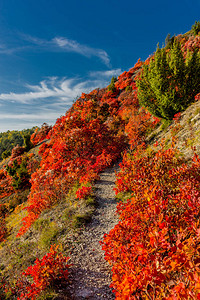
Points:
(170, 80)
(10, 139)
(164, 189)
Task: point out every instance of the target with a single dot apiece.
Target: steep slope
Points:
(186, 130)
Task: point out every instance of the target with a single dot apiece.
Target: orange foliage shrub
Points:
(197, 97)
(40, 134)
(6, 188)
(46, 271)
(140, 124)
(17, 151)
(125, 79)
(155, 248)
(79, 149)
(191, 44)
(83, 192)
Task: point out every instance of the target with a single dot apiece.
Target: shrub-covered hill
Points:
(149, 116)
(10, 139)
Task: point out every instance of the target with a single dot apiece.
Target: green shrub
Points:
(169, 83)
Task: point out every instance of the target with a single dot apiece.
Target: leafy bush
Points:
(46, 271)
(84, 192)
(169, 82)
(155, 248)
(40, 134)
(77, 152)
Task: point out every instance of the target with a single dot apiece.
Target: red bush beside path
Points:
(155, 248)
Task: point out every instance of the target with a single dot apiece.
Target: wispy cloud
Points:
(108, 73)
(25, 42)
(73, 46)
(53, 88)
(29, 116)
(68, 45)
(47, 100)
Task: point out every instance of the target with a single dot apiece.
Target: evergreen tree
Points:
(169, 83)
(196, 28)
(111, 87)
(19, 174)
(27, 141)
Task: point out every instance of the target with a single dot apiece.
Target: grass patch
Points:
(197, 111)
(90, 201)
(123, 196)
(48, 294)
(48, 235)
(165, 124)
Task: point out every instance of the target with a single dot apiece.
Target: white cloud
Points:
(56, 44)
(29, 116)
(68, 45)
(46, 101)
(60, 90)
(47, 89)
(109, 73)
(73, 46)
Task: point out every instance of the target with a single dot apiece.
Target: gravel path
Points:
(90, 275)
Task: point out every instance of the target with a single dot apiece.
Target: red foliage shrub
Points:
(197, 97)
(17, 151)
(46, 271)
(155, 247)
(6, 188)
(83, 192)
(78, 150)
(41, 134)
(191, 44)
(125, 79)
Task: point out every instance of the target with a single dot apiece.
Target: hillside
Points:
(57, 201)
(10, 139)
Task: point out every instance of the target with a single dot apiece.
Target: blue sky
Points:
(53, 50)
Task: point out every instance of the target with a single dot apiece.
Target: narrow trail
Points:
(90, 275)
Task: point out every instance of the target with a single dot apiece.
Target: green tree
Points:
(196, 28)
(112, 87)
(6, 154)
(27, 141)
(19, 174)
(169, 83)
(169, 41)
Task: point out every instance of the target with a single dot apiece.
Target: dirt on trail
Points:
(90, 274)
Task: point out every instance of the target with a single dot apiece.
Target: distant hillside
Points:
(10, 139)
